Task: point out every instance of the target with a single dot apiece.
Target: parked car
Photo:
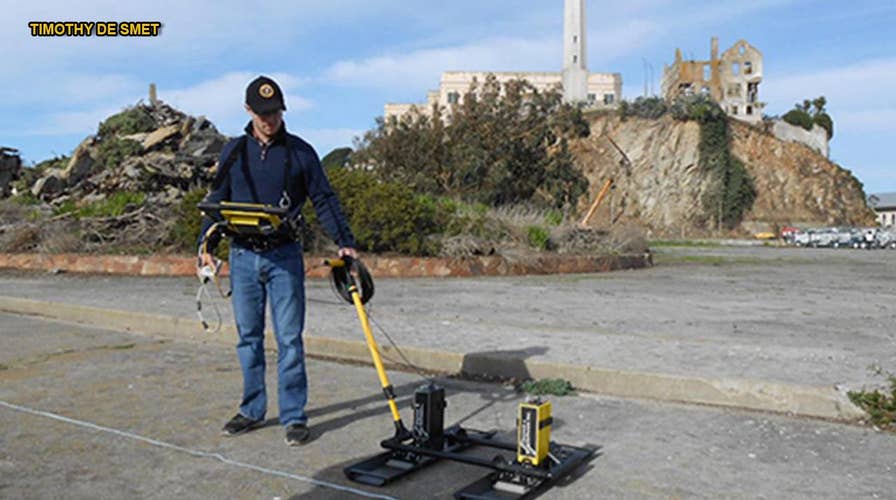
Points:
(885, 239)
(842, 237)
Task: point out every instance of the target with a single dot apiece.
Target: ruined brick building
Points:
(732, 79)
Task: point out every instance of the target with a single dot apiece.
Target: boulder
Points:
(10, 169)
(159, 135)
(80, 164)
(49, 185)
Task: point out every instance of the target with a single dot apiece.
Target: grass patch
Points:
(880, 405)
(113, 151)
(130, 121)
(552, 386)
(683, 243)
(708, 260)
(112, 206)
(538, 237)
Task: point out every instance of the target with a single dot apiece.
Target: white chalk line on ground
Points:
(195, 453)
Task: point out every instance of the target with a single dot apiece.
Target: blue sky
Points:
(339, 61)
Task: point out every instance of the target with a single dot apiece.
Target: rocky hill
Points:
(663, 185)
(152, 149)
(121, 189)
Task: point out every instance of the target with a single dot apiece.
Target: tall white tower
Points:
(575, 68)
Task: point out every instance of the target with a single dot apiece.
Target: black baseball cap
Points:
(264, 96)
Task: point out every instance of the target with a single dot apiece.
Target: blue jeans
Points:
(277, 273)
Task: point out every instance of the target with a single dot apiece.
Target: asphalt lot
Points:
(144, 415)
(816, 317)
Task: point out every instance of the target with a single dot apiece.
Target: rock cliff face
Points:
(662, 184)
(795, 184)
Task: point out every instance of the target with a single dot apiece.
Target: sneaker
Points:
(296, 434)
(240, 424)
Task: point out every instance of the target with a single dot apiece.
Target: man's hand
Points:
(348, 252)
(205, 259)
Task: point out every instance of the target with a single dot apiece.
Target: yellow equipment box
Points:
(534, 432)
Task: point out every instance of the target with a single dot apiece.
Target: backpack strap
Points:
(224, 168)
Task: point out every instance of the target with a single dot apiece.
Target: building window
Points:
(575, 59)
(609, 98)
(592, 97)
(734, 90)
(733, 110)
(742, 49)
(752, 91)
(707, 73)
(749, 110)
(735, 69)
(575, 39)
(453, 97)
(748, 68)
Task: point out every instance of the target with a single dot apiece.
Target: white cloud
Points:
(859, 95)
(860, 83)
(221, 99)
(71, 89)
(325, 140)
(869, 119)
(421, 69)
(65, 123)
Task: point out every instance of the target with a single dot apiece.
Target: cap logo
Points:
(266, 91)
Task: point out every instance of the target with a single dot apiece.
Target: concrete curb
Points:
(380, 266)
(810, 401)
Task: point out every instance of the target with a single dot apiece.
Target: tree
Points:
(811, 113)
(500, 144)
(339, 157)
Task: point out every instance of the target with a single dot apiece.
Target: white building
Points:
(577, 84)
(884, 205)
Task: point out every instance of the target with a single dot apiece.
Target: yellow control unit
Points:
(248, 219)
(534, 432)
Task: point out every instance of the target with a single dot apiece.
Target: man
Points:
(270, 166)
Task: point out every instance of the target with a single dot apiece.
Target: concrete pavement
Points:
(179, 393)
(785, 330)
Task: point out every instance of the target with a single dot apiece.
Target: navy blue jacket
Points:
(265, 170)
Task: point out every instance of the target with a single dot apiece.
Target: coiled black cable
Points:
(353, 272)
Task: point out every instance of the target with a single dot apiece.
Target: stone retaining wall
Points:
(389, 267)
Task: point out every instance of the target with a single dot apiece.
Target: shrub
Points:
(699, 108)
(113, 206)
(554, 217)
(643, 107)
(810, 113)
(384, 216)
(130, 121)
(112, 151)
(881, 406)
(538, 237)
(824, 121)
(184, 233)
(799, 118)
